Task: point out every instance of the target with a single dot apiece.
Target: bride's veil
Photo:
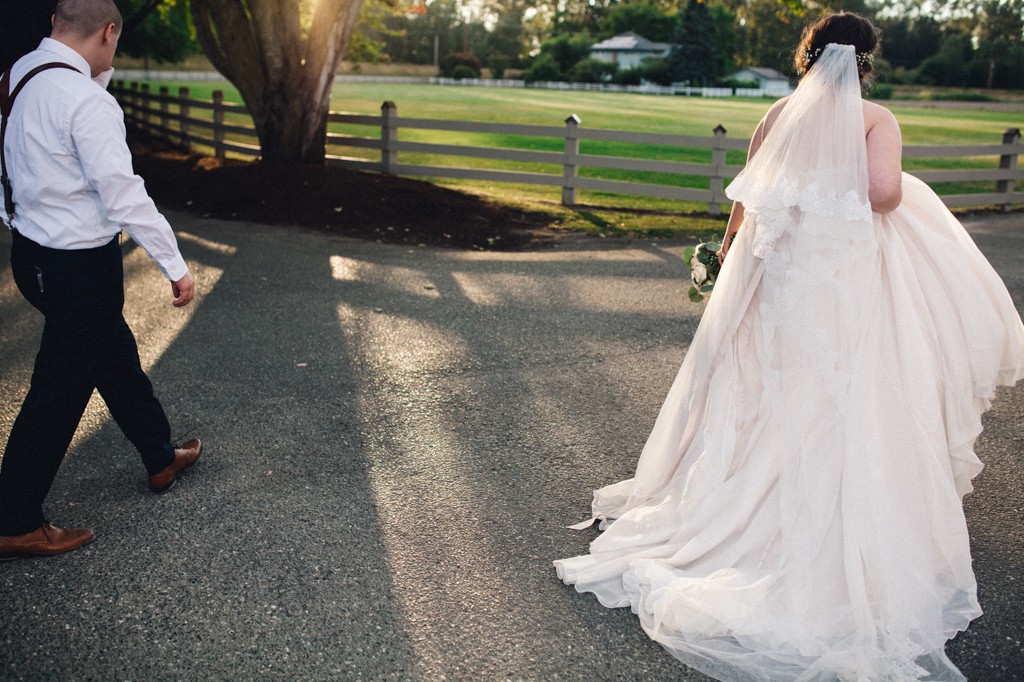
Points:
(814, 157)
(801, 256)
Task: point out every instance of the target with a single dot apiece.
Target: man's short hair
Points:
(84, 18)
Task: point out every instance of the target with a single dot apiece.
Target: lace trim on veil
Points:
(770, 208)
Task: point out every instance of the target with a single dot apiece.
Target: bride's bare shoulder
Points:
(781, 102)
(773, 113)
(776, 109)
(876, 114)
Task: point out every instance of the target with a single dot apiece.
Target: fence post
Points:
(183, 114)
(133, 99)
(389, 137)
(164, 92)
(218, 124)
(1008, 161)
(717, 178)
(118, 92)
(570, 160)
(144, 105)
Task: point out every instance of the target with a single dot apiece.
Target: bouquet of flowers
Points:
(704, 267)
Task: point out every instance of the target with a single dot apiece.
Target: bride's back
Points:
(884, 151)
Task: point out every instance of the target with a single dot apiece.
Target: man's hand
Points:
(184, 290)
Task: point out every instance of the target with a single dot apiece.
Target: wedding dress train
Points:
(796, 512)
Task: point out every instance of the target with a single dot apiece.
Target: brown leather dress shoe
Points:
(184, 457)
(44, 541)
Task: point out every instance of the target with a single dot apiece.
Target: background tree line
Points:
(282, 54)
(965, 43)
(962, 43)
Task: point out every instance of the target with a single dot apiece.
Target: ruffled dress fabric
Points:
(796, 512)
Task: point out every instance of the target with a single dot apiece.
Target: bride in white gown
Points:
(796, 512)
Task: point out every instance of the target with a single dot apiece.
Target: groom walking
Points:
(69, 191)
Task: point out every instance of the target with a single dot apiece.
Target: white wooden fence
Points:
(190, 121)
(643, 89)
(143, 75)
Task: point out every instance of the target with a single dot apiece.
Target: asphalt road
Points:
(395, 438)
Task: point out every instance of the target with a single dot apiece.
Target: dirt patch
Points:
(352, 203)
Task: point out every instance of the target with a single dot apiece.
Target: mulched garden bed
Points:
(336, 200)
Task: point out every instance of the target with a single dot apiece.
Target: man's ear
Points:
(109, 33)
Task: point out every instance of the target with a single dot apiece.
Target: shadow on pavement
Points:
(396, 439)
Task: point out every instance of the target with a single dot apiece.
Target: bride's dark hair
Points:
(844, 28)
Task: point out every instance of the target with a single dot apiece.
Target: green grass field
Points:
(608, 213)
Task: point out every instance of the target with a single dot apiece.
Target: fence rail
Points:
(174, 117)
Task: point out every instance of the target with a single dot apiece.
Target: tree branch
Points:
(206, 33)
(140, 15)
(226, 33)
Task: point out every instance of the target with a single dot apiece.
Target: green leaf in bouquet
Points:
(688, 253)
(695, 296)
(713, 246)
(706, 289)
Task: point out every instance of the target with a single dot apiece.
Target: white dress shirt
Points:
(69, 164)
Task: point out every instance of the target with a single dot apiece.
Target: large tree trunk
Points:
(282, 61)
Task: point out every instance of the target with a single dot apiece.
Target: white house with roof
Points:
(769, 80)
(628, 50)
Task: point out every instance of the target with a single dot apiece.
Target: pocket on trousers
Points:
(29, 279)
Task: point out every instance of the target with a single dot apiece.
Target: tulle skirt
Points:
(796, 513)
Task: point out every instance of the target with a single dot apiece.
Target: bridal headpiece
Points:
(864, 59)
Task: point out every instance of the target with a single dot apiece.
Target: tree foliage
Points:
(282, 54)
(906, 41)
(369, 39)
(742, 33)
(577, 16)
(545, 68)
(769, 33)
(508, 39)
(592, 70)
(161, 30)
(565, 50)
(416, 36)
(1002, 20)
(648, 19)
(694, 59)
(949, 66)
(153, 29)
(464, 60)
(726, 42)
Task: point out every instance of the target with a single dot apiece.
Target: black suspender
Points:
(6, 103)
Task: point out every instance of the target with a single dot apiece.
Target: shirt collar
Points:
(67, 54)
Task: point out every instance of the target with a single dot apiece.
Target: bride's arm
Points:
(735, 220)
(885, 153)
(736, 216)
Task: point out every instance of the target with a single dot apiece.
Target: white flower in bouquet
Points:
(699, 273)
(704, 267)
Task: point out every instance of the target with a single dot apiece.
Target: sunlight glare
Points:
(419, 450)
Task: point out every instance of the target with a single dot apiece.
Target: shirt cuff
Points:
(175, 269)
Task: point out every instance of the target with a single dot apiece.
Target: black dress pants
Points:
(86, 344)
